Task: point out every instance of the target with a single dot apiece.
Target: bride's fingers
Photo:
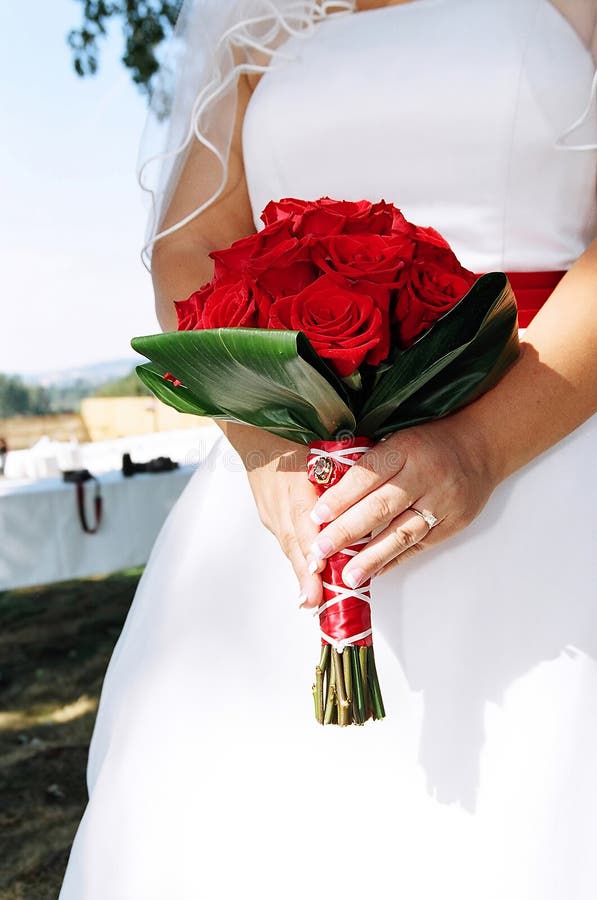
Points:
(436, 535)
(310, 590)
(371, 513)
(306, 532)
(403, 536)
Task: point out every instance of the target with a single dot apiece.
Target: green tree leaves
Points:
(145, 24)
(19, 399)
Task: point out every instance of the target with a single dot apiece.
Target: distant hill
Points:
(93, 374)
(62, 390)
(129, 386)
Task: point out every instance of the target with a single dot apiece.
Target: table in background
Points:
(41, 538)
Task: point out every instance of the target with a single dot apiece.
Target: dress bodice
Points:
(452, 110)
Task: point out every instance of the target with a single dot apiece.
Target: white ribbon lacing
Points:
(343, 593)
(339, 456)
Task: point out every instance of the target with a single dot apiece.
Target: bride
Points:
(207, 774)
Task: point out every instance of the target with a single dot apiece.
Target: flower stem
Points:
(347, 674)
(318, 694)
(331, 696)
(323, 659)
(340, 689)
(377, 702)
(358, 703)
(362, 651)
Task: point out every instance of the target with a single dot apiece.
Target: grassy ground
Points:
(55, 643)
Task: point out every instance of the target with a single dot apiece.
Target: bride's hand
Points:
(440, 468)
(277, 473)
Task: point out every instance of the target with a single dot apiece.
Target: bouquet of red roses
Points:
(337, 323)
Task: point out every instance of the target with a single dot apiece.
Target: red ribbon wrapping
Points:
(351, 615)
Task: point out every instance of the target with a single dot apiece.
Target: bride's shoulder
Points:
(582, 15)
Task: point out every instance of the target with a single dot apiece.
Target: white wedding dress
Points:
(208, 775)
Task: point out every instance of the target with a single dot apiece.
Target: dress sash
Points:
(531, 290)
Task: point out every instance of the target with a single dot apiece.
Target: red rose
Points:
(284, 269)
(230, 306)
(379, 218)
(368, 257)
(323, 216)
(190, 311)
(326, 216)
(234, 305)
(232, 261)
(433, 283)
(429, 236)
(272, 261)
(345, 325)
(400, 225)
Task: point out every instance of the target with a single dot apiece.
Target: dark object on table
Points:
(78, 477)
(3, 454)
(160, 464)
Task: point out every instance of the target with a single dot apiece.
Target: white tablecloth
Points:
(47, 458)
(41, 539)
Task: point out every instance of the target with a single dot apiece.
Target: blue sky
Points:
(72, 217)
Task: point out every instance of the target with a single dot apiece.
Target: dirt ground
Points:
(55, 643)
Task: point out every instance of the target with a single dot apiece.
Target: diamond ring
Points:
(429, 517)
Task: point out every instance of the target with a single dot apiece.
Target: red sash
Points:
(531, 290)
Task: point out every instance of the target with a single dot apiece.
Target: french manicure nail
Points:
(302, 600)
(321, 547)
(313, 565)
(353, 578)
(320, 513)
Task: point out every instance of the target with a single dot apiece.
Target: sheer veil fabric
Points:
(195, 98)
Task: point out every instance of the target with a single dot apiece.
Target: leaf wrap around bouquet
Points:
(275, 380)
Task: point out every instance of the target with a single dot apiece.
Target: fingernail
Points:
(313, 565)
(321, 547)
(321, 513)
(353, 578)
(302, 599)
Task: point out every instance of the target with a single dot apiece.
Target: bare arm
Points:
(552, 388)
(180, 261)
(582, 15)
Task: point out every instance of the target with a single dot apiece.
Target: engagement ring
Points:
(429, 517)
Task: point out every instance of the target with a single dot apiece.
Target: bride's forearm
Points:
(552, 388)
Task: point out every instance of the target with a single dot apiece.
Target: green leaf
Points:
(462, 355)
(179, 398)
(275, 380)
(271, 379)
